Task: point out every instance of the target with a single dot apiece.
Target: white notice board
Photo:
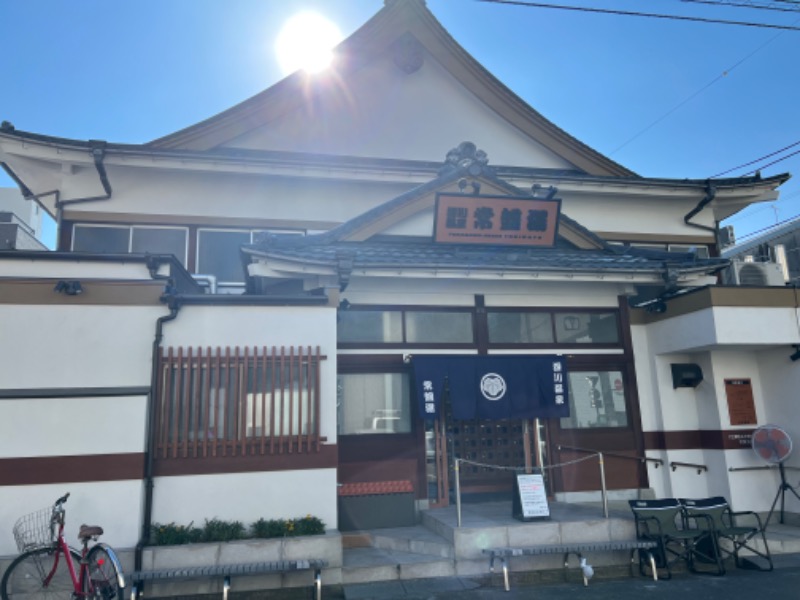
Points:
(532, 496)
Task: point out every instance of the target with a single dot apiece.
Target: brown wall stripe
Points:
(709, 439)
(122, 467)
(326, 458)
(71, 469)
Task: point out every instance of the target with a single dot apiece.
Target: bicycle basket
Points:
(35, 530)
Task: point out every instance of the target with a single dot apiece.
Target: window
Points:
(117, 239)
(218, 254)
(520, 327)
(356, 326)
(108, 240)
(370, 326)
(370, 403)
(552, 327)
(701, 251)
(596, 399)
(586, 328)
(439, 327)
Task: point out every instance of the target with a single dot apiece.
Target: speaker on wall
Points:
(686, 375)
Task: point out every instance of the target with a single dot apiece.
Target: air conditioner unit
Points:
(761, 274)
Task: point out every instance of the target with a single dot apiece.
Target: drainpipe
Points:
(98, 148)
(711, 193)
(147, 517)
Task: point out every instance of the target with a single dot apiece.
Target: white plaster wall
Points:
(646, 213)
(58, 269)
(115, 505)
(384, 111)
(216, 195)
(76, 346)
(461, 292)
(756, 325)
(72, 426)
(246, 497)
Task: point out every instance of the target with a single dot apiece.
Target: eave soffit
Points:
(393, 28)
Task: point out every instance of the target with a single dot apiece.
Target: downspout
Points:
(711, 193)
(174, 305)
(98, 148)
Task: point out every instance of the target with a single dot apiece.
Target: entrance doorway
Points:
(490, 453)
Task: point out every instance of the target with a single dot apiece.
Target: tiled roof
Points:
(426, 254)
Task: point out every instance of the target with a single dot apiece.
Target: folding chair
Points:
(679, 538)
(731, 527)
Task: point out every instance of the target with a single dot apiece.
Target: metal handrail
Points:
(761, 468)
(644, 459)
(700, 468)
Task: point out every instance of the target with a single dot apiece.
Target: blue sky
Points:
(134, 71)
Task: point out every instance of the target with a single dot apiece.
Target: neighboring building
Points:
(382, 289)
(20, 222)
(771, 258)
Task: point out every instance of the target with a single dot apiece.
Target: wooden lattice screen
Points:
(236, 402)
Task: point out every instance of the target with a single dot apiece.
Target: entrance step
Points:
(417, 540)
(361, 565)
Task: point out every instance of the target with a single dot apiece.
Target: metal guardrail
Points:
(700, 468)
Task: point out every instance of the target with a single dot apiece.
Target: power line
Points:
(774, 162)
(628, 13)
(697, 93)
(752, 162)
(795, 7)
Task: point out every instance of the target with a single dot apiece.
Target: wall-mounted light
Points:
(70, 287)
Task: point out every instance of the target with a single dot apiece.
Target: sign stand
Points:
(530, 498)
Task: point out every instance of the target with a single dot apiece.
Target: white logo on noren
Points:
(493, 387)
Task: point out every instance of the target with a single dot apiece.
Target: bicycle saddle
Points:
(89, 531)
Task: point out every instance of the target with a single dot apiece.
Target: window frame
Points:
(130, 228)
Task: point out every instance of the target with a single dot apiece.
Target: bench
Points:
(566, 549)
(138, 578)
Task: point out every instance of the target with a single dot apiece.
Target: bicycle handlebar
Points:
(62, 500)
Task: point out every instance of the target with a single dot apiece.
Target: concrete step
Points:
(362, 565)
(417, 539)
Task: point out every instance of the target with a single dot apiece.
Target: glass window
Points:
(701, 251)
(218, 254)
(370, 326)
(586, 328)
(160, 240)
(439, 327)
(371, 403)
(596, 399)
(520, 328)
(111, 240)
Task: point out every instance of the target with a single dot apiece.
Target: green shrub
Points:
(217, 530)
(170, 534)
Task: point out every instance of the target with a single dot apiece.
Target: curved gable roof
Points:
(391, 26)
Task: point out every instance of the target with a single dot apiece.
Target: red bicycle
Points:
(46, 566)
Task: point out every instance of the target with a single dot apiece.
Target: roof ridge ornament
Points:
(468, 158)
(407, 54)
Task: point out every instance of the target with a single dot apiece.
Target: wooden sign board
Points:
(741, 406)
(530, 498)
(498, 220)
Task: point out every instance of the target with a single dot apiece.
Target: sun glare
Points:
(305, 42)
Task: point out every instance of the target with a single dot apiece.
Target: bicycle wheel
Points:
(35, 575)
(105, 581)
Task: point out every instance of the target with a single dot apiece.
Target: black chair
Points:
(734, 530)
(679, 537)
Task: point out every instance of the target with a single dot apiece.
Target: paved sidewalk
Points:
(781, 584)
